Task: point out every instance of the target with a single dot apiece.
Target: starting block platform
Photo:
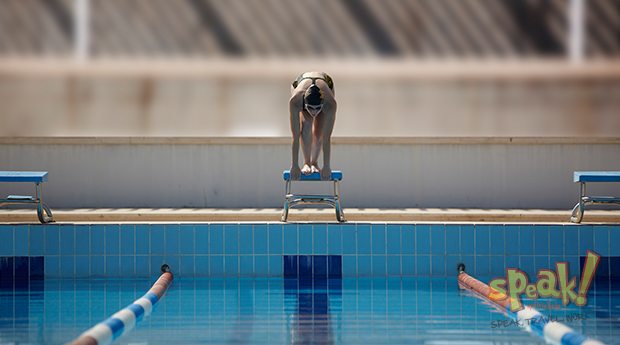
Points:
(332, 200)
(36, 177)
(584, 177)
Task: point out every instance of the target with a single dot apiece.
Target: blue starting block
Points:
(36, 177)
(333, 200)
(592, 176)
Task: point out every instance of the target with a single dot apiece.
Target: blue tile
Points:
(349, 235)
(363, 240)
(573, 267)
(67, 239)
(201, 265)
(364, 265)
(261, 265)
(497, 267)
(422, 239)
(261, 240)
(320, 239)
(37, 267)
(349, 266)
(275, 239)
(482, 265)
(6, 270)
(82, 266)
(556, 240)
(128, 243)
(305, 239)
(276, 268)
(21, 269)
(67, 266)
(553, 260)
(143, 266)
(393, 240)
(586, 239)
(246, 265)
(304, 268)
(526, 240)
(112, 239)
(156, 261)
(187, 240)
(143, 241)
(319, 266)
(527, 264)
(246, 239)
(172, 235)
(467, 240)
(541, 240)
(21, 240)
(468, 260)
(452, 262)
(334, 266)
(52, 240)
(231, 239)
(541, 263)
(290, 263)
(512, 261)
(158, 234)
(290, 239)
(511, 238)
(378, 239)
(112, 266)
(496, 239)
(601, 240)
(334, 239)
(482, 239)
(201, 239)
(231, 265)
(97, 266)
(97, 240)
(393, 266)
(379, 268)
(82, 239)
(52, 266)
(452, 239)
(571, 241)
(6, 240)
(423, 265)
(127, 263)
(408, 263)
(408, 239)
(438, 239)
(438, 265)
(187, 266)
(37, 240)
(216, 239)
(614, 240)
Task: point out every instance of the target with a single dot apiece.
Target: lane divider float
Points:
(126, 319)
(528, 318)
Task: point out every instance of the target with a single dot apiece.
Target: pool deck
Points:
(407, 215)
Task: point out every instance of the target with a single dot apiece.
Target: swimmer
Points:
(313, 112)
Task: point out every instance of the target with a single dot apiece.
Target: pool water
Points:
(291, 311)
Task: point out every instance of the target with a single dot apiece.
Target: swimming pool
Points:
(292, 311)
(293, 283)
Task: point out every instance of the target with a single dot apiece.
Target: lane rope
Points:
(530, 319)
(126, 319)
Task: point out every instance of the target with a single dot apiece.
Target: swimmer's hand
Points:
(306, 170)
(295, 173)
(326, 174)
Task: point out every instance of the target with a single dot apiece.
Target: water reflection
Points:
(311, 320)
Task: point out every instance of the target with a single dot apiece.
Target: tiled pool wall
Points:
(276, 249)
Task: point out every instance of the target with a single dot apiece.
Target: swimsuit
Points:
(327, 79)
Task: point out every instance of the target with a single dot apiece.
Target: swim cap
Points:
(314, 95)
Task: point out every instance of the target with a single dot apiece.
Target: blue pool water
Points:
(292, 311)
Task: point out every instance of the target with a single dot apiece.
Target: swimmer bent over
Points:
(313, 112)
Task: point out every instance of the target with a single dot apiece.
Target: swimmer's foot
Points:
(306, 170)
(315, 169)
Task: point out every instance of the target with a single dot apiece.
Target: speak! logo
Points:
(556, 284)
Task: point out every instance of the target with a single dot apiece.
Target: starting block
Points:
(333, 200)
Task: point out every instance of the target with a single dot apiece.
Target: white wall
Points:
(378, 172)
